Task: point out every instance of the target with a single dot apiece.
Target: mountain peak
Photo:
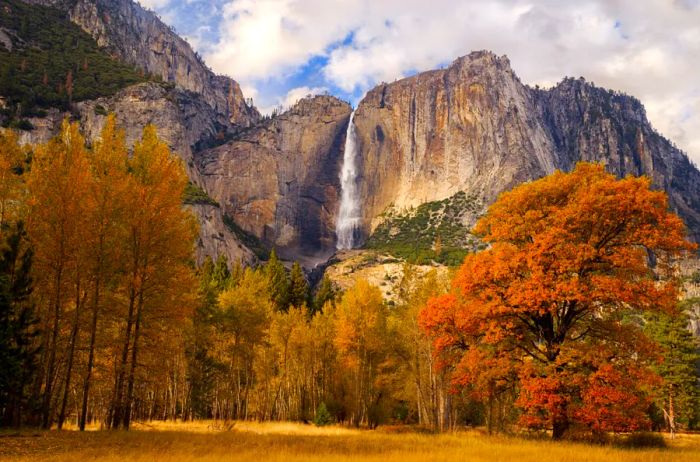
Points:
(138, 37)
(482, 57)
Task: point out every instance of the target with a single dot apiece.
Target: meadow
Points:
(274, 441)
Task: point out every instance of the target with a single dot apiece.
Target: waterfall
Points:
(349, 216)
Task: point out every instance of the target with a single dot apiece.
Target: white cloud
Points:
(154, 4)
(295, 94)
(288, 100)
(261, 38)
(648, 49)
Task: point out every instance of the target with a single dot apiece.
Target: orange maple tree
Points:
(552, 308)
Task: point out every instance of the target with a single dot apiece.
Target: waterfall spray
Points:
(349, 216)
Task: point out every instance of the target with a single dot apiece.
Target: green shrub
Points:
(412, 235)
(194, 194)
(21, 124)
(323, 417)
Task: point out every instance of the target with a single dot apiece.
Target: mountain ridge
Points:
(471, 127)
(475, 127)
(137, 36)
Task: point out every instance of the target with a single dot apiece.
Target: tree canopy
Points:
(551, 309)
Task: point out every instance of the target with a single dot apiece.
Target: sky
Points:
(281, 50)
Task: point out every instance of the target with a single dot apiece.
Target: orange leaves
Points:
(615, 400)
(541, 397)
(567, 267)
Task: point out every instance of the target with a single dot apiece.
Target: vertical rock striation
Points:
(475, 127)
(280, 179)
(471, 127)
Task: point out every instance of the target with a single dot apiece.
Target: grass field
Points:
(296, 442)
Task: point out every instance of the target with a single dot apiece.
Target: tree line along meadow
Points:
(569, 321)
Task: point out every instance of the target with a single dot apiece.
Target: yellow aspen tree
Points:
(158, 249)
(361, 333)
(57, 184)
(106, 212)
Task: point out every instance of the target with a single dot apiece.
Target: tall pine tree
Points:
(298, 287)
(326, 292)
(279, 283)
(679, 397)
(18, 354)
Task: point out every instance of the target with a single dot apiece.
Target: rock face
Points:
(379, 269)
(280, 179)
(216, 239)
(471, 127)
(191, 107)
(182, 117)
(136, 36)
(475, 127)
(593, 124)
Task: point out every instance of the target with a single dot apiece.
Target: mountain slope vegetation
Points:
(47, 61)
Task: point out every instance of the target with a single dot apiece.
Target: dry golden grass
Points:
(288, 442)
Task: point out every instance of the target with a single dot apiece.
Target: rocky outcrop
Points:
(381, 270)
(475, 127)
(183, 119)
(471, 127)
(216, 239)
(589, 123)
(137, 36)
(280, 179)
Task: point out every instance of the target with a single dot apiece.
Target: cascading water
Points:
(349, 216)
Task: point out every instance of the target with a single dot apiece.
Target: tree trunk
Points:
(71, 355)
(126, 410)
(560, 423)
(91, 355)
(48, 389)
(671, 413)
(115, 413)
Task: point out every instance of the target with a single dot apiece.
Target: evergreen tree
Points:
(679, 398)
(298, 287)
(200, 365)
(326, 293)
(278, 281)
(221, 275)
(323, 417)
(17, 328)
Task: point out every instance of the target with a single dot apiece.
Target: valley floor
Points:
(288, 442)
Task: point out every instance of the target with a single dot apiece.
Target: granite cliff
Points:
(279, 179)
(138, 37)
(472, 128)
(191, 106)
(475, 127)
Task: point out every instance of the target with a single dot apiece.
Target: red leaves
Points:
(614, 400)
(550, 301)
